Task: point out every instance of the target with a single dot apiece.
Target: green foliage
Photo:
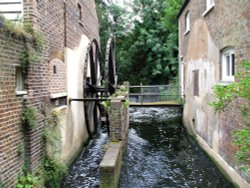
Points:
(10, 28)
(27, 57)
(146, 47)
(30, 55)
(52, 135)
(106, 105)
(126, 104)
(54, 170)
(122, 91)
(28, 117)
(242, 140)
(28, 181)
(38, 41)
(24, 31)
(20, 149)
(224, 95)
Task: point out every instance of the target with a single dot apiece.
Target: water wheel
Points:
(93, 90)
(110, 68)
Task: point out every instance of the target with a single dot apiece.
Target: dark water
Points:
(160, 154)
(84, 172)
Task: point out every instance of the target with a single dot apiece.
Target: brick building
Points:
(214, 37)
(66, 27)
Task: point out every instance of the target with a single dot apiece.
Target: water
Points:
(160, 154)
(84, 172)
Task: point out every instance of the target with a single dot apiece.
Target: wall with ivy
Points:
(212, 31)
(36, 48)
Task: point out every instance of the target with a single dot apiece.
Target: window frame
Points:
(228, 65)
(13, 10)
(20, 86)
(187, 22)
(209, 6)
(80, 14)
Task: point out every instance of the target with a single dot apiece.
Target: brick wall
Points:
(227, 24)
(59, 25)
(119, 116)
(11, 138)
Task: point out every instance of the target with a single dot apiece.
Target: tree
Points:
(143, 52)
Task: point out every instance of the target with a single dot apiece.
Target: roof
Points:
(183, 7)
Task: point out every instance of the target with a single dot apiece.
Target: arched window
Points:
(187, 22)
(227, 65)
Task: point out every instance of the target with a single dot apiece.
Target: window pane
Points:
(196, 83)
(187, 21)
(233, 64)
(19, 79)
(228, 65)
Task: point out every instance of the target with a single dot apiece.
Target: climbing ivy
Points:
(28, 181)
(224, 96)
(27, 33)
(28, 117)
(54, 167)
(54, 170)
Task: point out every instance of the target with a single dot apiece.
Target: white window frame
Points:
(228, 65)
(12, 10)
(187, 22)
(20, 82)
(209, 6)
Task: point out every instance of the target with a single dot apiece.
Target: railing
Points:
(154, 94)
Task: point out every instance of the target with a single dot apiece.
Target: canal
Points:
(160, 154)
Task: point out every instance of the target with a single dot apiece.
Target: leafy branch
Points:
(224, 96)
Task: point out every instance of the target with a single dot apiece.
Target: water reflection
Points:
(160, 154)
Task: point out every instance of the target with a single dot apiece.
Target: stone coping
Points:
(111, 155)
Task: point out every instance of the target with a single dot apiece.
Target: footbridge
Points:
(154, 95)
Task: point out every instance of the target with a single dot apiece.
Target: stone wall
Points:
(226, 24)
(46, 82)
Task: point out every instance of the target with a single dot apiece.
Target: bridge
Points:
(154, 95)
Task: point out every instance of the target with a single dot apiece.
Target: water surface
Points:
(84, 172)
(160, 154)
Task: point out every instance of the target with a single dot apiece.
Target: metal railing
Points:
(154, 94)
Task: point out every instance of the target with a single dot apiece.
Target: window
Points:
(228, 65)
(12, 9)
(80, 15)
(79, 7)
(209, 6)
(196, 83)
(20, 82)
(187, 22)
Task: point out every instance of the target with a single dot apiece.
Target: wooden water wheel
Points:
(93, 90)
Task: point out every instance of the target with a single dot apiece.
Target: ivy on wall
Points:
(224, 96)
(27, 33)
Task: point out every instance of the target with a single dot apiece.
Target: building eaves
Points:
(183, 7)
